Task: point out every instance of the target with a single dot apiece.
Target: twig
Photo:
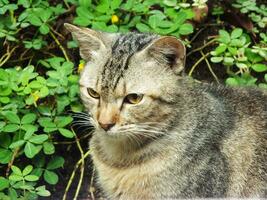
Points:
(196, 35)
(60, 46)
(57, 33)
(74, 172)
(210, 68)
(82, 167)
(66, 4)
(197, 63)
(11, 161)
(6, 56)
(71, 142)
(202, 47)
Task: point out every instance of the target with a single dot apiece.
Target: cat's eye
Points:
(93, 93)
(133, 98)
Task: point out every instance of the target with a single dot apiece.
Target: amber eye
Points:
(133, 98)
(93, 93)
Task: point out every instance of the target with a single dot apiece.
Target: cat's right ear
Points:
(169, 51)
(90, 42)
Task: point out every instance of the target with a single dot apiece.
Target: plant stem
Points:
(6, 56)
(73, 173)
(11, 161)
(82, 167)
(197, 63)
(210, 68)
(60, 46)
(202, 47)
(66, 4)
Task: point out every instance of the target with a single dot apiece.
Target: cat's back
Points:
(245, 144)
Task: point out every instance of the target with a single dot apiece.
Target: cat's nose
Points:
(106, 127)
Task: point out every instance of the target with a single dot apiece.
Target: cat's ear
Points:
(168, 50)
(90, 42)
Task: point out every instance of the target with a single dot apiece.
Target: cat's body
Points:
(179, 139)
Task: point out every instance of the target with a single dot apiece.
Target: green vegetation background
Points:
(39, 71)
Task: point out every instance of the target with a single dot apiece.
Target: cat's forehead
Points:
(108, 70)
(122, 51)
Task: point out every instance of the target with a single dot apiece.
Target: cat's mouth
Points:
(135, 132)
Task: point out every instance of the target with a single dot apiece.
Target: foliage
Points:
(39, 83)
(257, 13)
(169, 18)
(235, 52)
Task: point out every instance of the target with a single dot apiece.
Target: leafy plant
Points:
(257, 13)
(241, 60)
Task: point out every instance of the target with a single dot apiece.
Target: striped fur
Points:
(184, 139)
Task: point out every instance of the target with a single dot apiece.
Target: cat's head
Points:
(128, 84)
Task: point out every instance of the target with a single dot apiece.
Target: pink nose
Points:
(106, 127)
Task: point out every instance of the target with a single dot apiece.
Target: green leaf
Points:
(224, 36)
(232, 82)
(153, 21)
(80, 21)
(186, 29)
(46, 15)
(55, 163)
(85, 3)
(31, 150)
(228, 61)
(12, 117)
(142, 27)
(216, 59)
(220, 49)
(103, 6)
(26, 187)
(30, 129)
(263, 85)
(4, 183)
(5, 156)
(11, 128)
(63, 121)
(46, 122)
(253, 57)
(65, 132)
(44, 92)
(241, 65)
(41, 191)
(259, 67)
(50, 177)
(44, 29)
(38, 139)
(232, 50)
(16, 170)
(5, 140)
(28, 118)
(114, 4)
(17, 144)
(236, 33)
(12, 193)
(27, 170)
(15, 177)
(34, 20)
(48, 148)
(31, 178)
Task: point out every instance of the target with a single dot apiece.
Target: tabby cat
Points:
(160, 135)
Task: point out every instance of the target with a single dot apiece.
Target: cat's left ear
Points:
(91, 42)
(169, 51)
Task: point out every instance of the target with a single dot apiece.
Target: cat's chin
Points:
(112, 134)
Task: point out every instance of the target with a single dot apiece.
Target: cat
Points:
(161, 135)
